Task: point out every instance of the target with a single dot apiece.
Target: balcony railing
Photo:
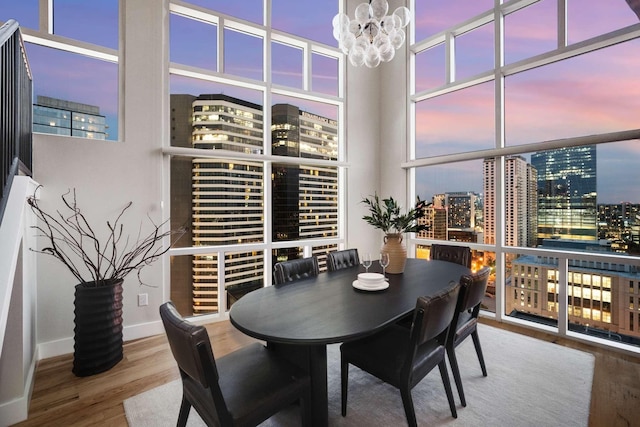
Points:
(15, 110)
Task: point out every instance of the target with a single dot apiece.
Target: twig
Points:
(69, 235)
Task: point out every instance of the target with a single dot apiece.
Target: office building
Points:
(462, 216)
(620, 223)
(435, 219)
(602, 297)
(566, 193)
(225, 199)
(304, 198)
(453, 216)
(462, 210)
(68, 118)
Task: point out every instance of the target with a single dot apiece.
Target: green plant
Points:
(73, 241)
(386, 215)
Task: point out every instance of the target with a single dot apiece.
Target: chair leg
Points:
(344, 380)
(409, 410)
(447, 387)
(453, 362)
(185, 407)
(476, 344)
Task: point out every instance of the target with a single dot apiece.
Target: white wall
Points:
(376, 138)
(106, 175)
(394, 101)
(363, 149)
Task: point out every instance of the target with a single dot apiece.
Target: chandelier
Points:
(372, 36)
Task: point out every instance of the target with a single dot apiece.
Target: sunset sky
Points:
(594, 93)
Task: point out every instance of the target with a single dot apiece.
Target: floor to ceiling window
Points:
(256, 125)
(526, 141)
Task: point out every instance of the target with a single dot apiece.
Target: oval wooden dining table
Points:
(301, 318)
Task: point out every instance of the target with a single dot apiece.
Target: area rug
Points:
(530, 383)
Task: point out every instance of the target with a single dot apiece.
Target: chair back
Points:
(457, 254)
(295, 269)
(257, 383)
(338, 260)
(472, 289)
(190, 346)
(433, 315)
(465, 319)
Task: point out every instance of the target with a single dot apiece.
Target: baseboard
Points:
(17, 410)
(142, 330)
(133, 332)
(55, 348)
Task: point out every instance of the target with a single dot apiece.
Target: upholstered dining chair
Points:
(243, 388)
(295, 269)
(337, 260)
(458, 254)
(465, 322)
(402, 357)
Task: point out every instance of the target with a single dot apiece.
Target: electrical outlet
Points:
(143, 299)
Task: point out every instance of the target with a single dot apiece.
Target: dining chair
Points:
(295, 269)
(402, 357)
(458, 254)
(338, 260)
(243, 388)
(465, 322)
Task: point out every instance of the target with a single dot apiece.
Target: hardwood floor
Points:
(61, 399)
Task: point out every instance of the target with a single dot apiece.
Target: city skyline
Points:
(602, 87)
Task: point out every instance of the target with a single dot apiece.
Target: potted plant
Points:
(386, 214)
(100, 264)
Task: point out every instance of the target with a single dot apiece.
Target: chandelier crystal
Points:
(372, 36)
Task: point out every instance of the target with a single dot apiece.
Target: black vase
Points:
(98, 327)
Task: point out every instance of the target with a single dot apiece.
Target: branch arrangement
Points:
(72, 241)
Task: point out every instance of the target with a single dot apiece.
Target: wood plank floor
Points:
(61, 399)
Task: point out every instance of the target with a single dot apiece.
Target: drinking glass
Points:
(366, 261)
(384, 262)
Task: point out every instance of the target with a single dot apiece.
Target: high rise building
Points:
(305, 198)
(225, 198)
(181, 200)
(532, 205)
(489, 191)
(615, 220)
(435, 218)
(462, 210)
(566, 193)
(461, 216)
(620, 224)
(452, 216)
(60, 117)
(520, 200)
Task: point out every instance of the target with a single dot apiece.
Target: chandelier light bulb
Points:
(372, 36)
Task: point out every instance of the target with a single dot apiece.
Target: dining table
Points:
(299, 319)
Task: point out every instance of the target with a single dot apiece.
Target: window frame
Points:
(500, 151)
(268, 89)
